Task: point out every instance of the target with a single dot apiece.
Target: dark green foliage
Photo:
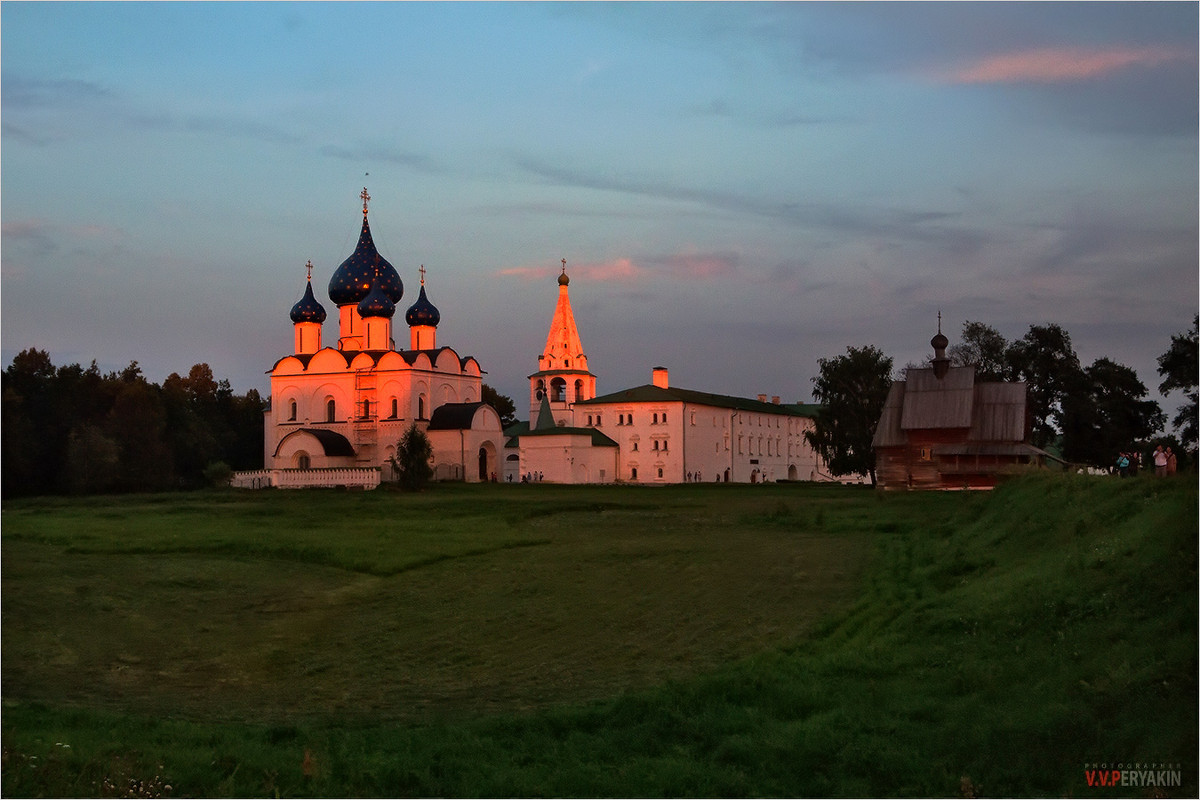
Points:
(852, 390)
(62, 427)
(996, 643)
(503, 404)
(1105, 413)
(982, 347)
(412, 461)
(1179, 367)
(1045, 360)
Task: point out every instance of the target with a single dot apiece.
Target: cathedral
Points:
(338, 411)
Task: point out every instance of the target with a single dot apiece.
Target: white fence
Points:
(355, 477)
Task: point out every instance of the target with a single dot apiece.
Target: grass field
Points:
(606, 641)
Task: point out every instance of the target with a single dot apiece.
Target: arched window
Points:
(579, 391)
(660, 472)
(421, 407)
(664, 418)
(654, 421)
(558, 390)
(541, 389)
(302, 460)
(330, 410)
(633, 473)
(395, 408)
(366, 409)
(292, 416)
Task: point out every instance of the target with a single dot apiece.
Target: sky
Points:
(739, 189)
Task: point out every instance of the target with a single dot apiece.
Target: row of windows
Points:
(365, 409)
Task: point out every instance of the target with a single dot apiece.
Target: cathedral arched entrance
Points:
(486, 461)
(793, 473)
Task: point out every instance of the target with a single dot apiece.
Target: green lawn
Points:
(542, 640)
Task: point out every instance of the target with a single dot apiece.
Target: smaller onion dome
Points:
(376, 303)
(308, 309)
(423, 312)
(939, 341)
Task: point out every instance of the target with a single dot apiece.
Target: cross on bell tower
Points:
(365, 198)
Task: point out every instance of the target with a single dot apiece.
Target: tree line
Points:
(72, 429)
(1089, 414)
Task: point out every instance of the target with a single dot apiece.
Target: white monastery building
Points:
(338, 411)
(652, 433)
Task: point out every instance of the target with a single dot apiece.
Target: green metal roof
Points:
(649, 393)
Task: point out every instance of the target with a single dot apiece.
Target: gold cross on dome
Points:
(564, 263)
(422, 271)
(365, 197)
(308, 268)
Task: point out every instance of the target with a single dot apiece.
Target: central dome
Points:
(351, 282)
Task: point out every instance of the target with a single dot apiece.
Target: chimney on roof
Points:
(775, 399)
(762, 398)
(661, 377)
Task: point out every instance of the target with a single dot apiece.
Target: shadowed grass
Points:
(715, 641)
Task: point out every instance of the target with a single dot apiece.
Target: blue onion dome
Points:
(308, 309)
(423, 312)
(376, 303)
(351, 282)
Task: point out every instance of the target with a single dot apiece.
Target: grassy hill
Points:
(776, 640)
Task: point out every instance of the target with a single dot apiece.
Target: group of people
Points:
(1128, 463)
(1164, 461)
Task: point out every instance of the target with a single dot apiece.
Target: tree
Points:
(411, 462)
(983, 348)
(503, 404)
(1046, 362)
(852, 390)
(1107, 414)
(1179, 368)
(92, 461)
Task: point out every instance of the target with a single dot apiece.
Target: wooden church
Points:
(942, 429)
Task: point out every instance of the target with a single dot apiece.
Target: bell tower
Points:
(562, 377)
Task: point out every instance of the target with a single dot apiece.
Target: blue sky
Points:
(739, 189)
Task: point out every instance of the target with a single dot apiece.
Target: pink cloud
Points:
(702, 265)
(619, 270)
(1059, 64)
(527, 273)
